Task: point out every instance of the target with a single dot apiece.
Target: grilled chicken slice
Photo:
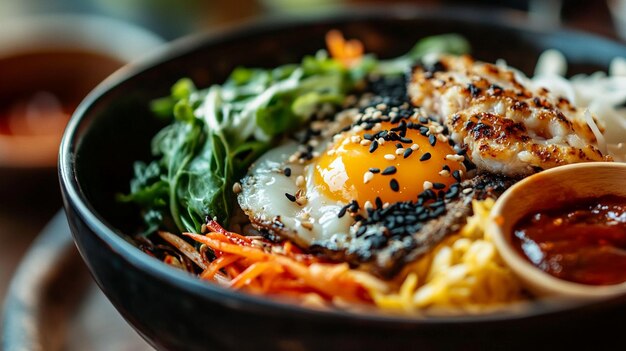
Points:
(507, 127)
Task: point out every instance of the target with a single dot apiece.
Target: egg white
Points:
(263, 199)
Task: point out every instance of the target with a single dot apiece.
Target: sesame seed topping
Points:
(373, 146)
(368, 205)
(408, 152)
(381, 141)
(444, 173)
(374, 170)
(300, 181)
(453, 157)
(432, 140)
(400, 151)
(237, 188)
(415, 147)
(439, 186)
(390, 157)
(457, 175)
(389, 170)
(365, 142)
(467, 190)
(290, 197)
(428, 185)
(307, 225)
(342, 212)
(367, 177)
(425, 157)
(287, 172)
(355, 139)
(393, 184)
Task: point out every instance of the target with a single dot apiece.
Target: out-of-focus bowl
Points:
(553, 189)
(48, 64)
(172, 310)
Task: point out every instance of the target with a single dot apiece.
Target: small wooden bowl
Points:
(548, 190)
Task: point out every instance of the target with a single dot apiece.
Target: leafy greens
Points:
(216, 133)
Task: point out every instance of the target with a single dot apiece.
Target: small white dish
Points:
(551, 189)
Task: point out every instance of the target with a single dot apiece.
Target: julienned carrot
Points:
(290, 272)
(252, 272)
(216, 227)
(245, 251)
(218, 264)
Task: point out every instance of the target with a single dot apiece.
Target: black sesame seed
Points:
(389, 170)
(423, 120)
(425, 157)
(290, 197)
(424, 131)
(438, 212)
(373, 146)
(408, 152)
(439, 186)
(379, 202)
(394, 185)
(399, 145)
(457, 176)
(461, 152)
(446, 168)
(374, 170)
(342, 212)
(406, 140)
(432, 140)
(368, 136)
(287, 172)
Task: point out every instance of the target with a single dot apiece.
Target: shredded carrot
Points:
(349, 52)
(272, 268)
(244, 251)
(218, 264)
(252, 272)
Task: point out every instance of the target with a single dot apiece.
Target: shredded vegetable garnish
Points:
(259, 266)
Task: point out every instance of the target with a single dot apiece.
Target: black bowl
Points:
(173, 310)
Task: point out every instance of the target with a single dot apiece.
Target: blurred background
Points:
(53, 52)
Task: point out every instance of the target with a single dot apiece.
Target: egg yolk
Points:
(340, 172)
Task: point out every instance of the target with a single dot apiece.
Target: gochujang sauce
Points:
(584, 242)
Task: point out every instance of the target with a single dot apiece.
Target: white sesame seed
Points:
(365, 142)
(368, 205)
(237, 188)
(367, 177)
(439, 129)
(390, 157)
(399, 151)
(357, 129)
(300, 181)
(355, 139)
(301, 200)
(381, 106)
(293, 158)
(377, 127)
(428, 185)
(415, 147)
(315, 154)
(377, 114)
(331, 152)
(392, 114)
(442, 138)
(314, 142)
(307, 225)
(454, 157)
(381, 141)
(444, 173)
(467, 190)
(386, 204)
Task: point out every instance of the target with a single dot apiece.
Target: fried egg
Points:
(311, 193)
